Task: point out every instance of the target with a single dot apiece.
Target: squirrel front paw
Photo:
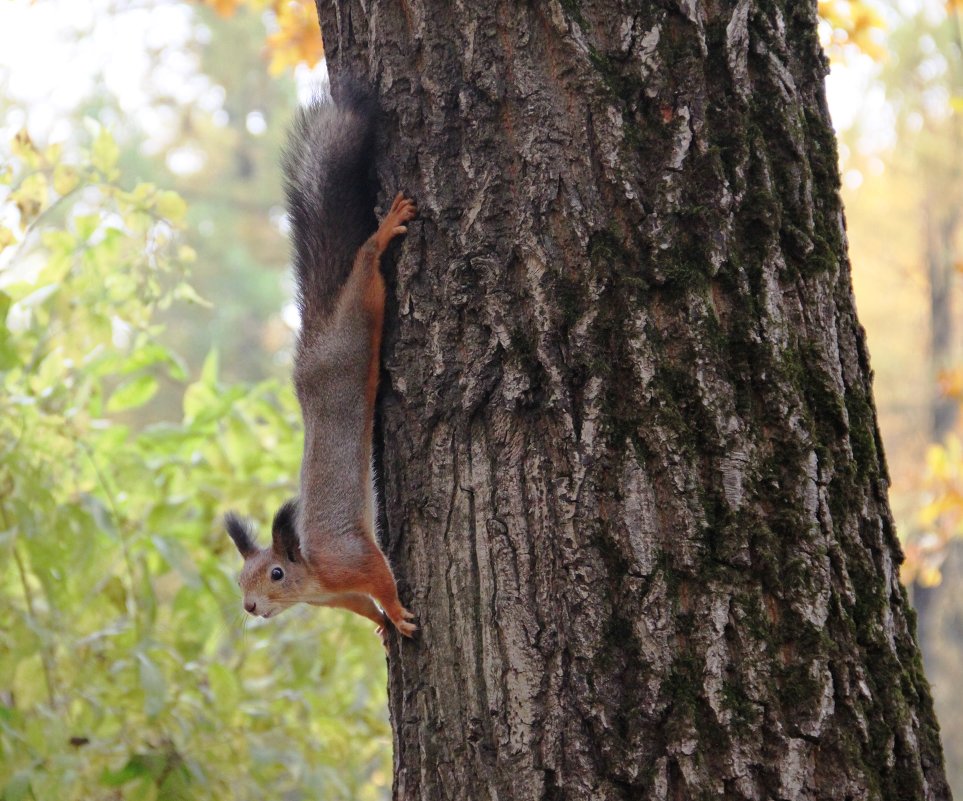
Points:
(400, 622)
(402, 210)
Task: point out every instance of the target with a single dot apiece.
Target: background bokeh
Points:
(146, 324)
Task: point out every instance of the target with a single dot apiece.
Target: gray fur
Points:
(330, 377)
(329, 185)
(330, 192)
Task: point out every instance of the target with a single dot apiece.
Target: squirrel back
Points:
(330, 187)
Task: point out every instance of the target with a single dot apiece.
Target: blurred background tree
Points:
(901, 147)
(144, 353)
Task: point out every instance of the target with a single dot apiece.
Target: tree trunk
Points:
(633, 482)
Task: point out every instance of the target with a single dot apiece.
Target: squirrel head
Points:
(273, 578)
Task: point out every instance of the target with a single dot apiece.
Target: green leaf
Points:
(19, 785)
(224, 687)
(31, 197)
(176, 556)
(143, 791)
(104, 153)
(115, 778)
(176, 367)
(171, 206)
(28, 680)
(152, 682)
(85, 225)
(8, 349)
(116, 593)
(139, 766)
(184, 291)
(133, 393)
(176, 786)
(209, 370)
(65, 179)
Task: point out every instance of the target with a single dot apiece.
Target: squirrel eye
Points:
(277, 574)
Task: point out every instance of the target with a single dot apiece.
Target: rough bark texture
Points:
(633, 480)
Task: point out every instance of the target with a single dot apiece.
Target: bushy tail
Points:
(330, 186)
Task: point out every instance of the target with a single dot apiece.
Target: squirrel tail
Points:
(329, 183)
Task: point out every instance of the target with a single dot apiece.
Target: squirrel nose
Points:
(250, 606)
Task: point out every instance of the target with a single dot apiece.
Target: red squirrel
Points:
(323, 549)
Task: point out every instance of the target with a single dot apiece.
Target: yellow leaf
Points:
(929, 576)
(848, 24)
(907, 571)
(31, 196)
(951, 383)
(928, 514)
(298, 39)
(7, 238)
(171, 206)
(935, 454)
(65, 179)
(24, 148)
(224, 8)
(52, 153)
(142, 192)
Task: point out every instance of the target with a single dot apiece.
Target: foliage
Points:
(235, 220)
(942, 517)
(297, 38)
(126, 667)
(851, 25)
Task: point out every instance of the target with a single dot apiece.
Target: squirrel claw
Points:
(401, 623)
(402, 210)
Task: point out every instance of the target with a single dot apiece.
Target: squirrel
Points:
(323, 549)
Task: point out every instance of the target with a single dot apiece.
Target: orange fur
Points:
(363, 570)
(360, 604)
(373, 291)
(374, 304)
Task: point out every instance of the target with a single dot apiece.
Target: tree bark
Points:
(633, 482)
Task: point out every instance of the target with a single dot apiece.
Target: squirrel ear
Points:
(284, 531)
(239, 531)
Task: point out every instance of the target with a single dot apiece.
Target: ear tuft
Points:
(240, 531)
(285, 533)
